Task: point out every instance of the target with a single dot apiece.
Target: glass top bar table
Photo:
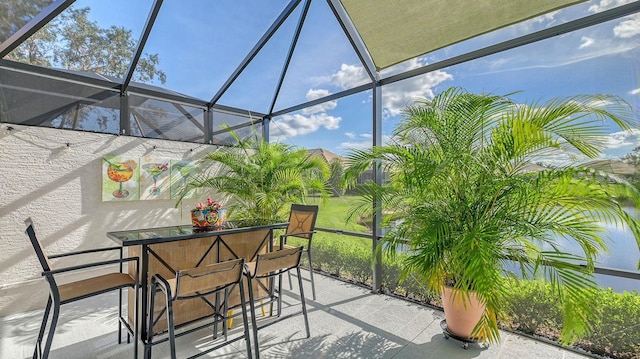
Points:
(165, 250)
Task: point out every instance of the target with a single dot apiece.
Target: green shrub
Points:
(533, 308)
(616, 330)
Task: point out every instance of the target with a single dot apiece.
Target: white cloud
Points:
(586, 42)
(395, 96)
(552, 59)
(628, 28)
(498, 62)
(398, 95)
(635, 91)
(527, 26)
(350, 134)
(607, 4)
(548, 18)
(288, 126)
(349, 76)
(313, 94)
(629, 138)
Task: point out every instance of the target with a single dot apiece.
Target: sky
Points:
(200, 45)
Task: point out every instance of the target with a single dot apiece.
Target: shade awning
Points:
(395, 31)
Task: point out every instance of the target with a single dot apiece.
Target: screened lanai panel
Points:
(255, 86)
(200, 43)
(93, 36)
(324, 62)
(14, 14)
(395, 33)
(224, 122)
(37, 100)
(243, 133)
(153, 118)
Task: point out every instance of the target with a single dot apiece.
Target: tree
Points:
(633, 157)
(335, 180)
(74, 42)
(16, 13)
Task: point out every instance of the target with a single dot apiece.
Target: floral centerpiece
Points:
(208, 214)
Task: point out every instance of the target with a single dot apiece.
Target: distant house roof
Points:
(614, 166)
(326, 155)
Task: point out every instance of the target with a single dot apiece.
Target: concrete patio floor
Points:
(346, 321)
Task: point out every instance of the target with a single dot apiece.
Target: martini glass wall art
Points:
(181, 171)
(154, 178)
(155, 170)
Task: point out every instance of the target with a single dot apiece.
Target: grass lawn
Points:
(333, 213)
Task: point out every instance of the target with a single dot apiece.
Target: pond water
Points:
(623, 254)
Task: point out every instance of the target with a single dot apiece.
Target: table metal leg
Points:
(144, 284)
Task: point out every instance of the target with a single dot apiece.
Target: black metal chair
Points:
(70, 292)
(198, 283)
(266, 267)
(302, 224)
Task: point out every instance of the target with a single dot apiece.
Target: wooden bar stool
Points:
(302, 224)
(197, 283)
(268, 266)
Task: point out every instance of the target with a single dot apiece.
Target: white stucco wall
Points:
(59, 187)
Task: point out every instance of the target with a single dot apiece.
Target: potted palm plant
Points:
(261, 179)
(475, 209)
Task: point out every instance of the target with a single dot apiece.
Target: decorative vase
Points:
(208, 218)
(462, 311)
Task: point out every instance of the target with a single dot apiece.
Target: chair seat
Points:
(91, 286)
(289, 246)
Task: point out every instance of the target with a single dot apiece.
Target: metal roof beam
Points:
(354, 38)
(574, 25)
(292, 48)
(254, 51)
(33, 26)
(143, 40)
(331, 97)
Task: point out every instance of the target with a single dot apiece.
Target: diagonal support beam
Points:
(318, 101)
(292, 48)
(33, 26)
(354, 38)
(143, 40)
(254, 51)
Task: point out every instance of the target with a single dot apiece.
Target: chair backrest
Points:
(302, 219)
(37, 246)
(208, 279)
(277, 261)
